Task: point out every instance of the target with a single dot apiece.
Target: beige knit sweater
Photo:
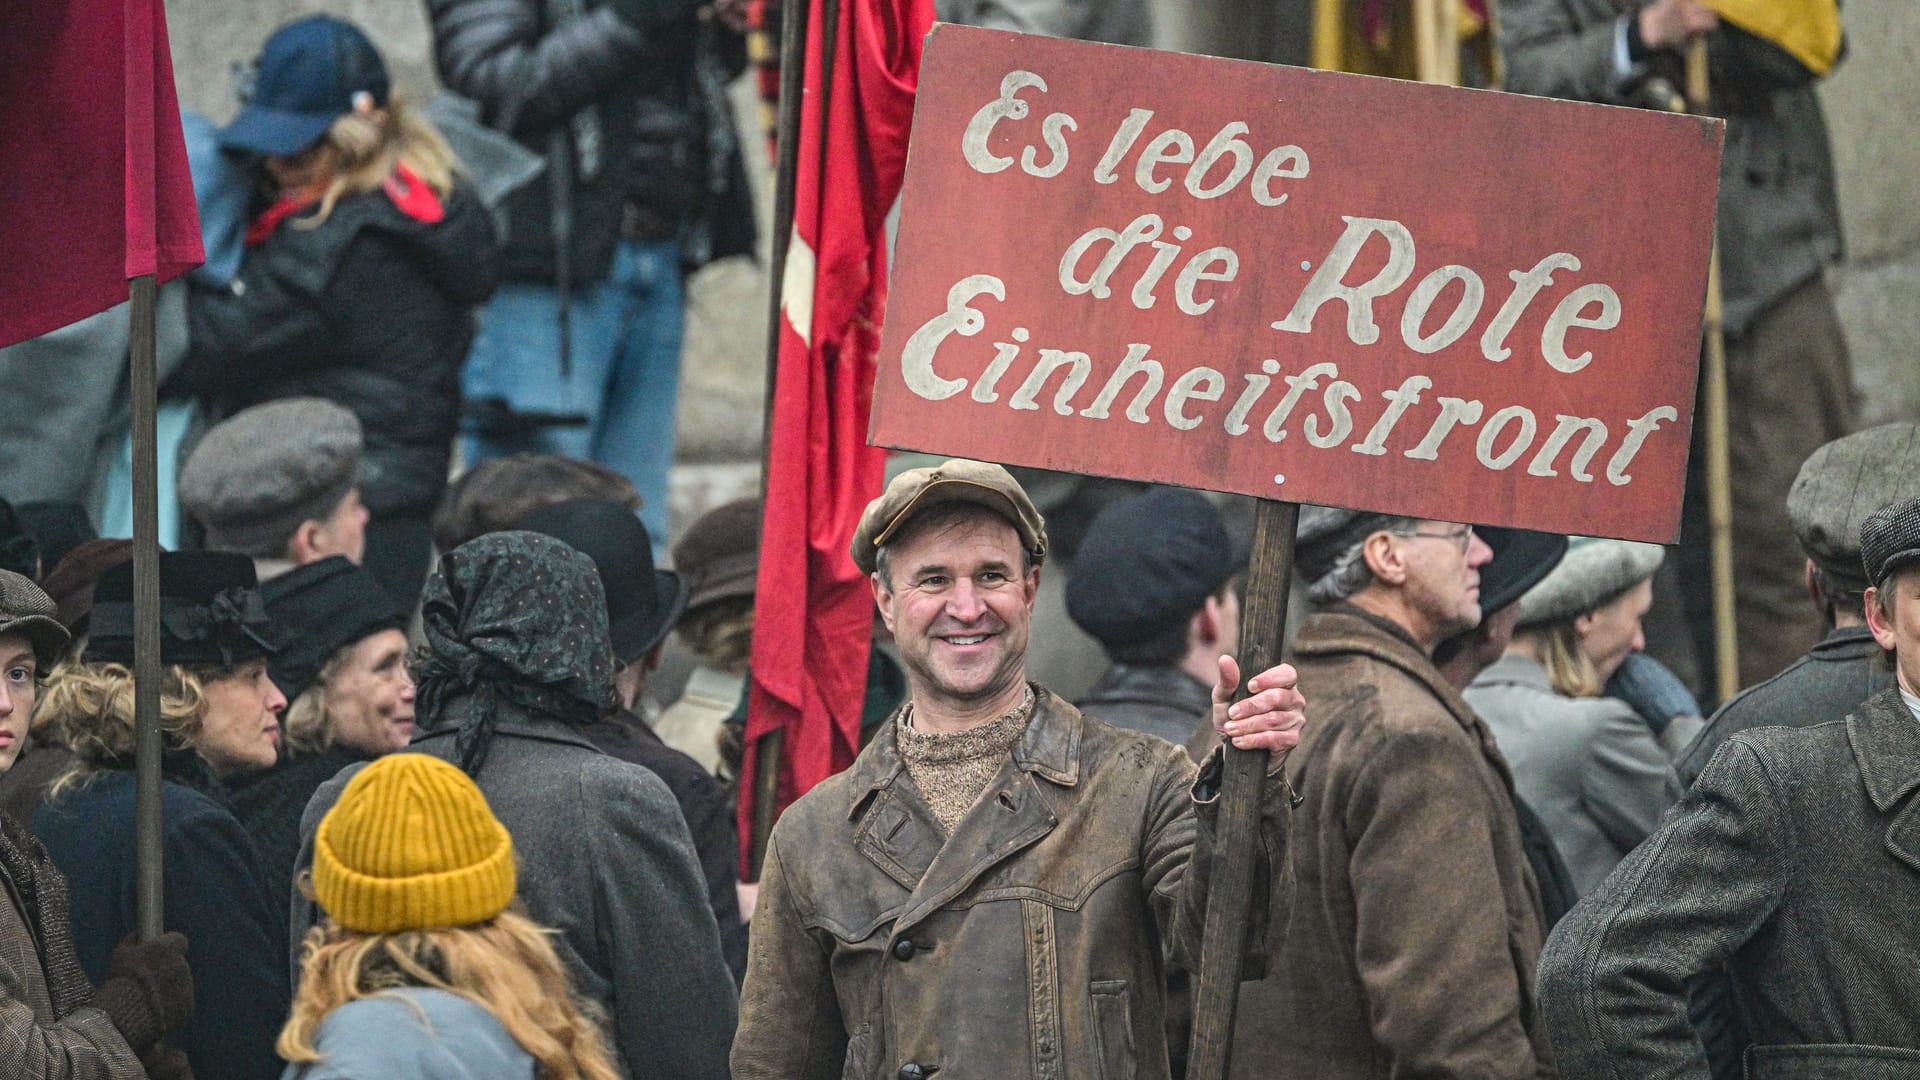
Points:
(953, 769)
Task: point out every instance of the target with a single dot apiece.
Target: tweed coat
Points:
(1027, 944)
(607, 863)
(1590, 767)
(1795, 863)
(1843, 670)
(1416, 918)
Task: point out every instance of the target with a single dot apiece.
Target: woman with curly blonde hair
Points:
(421, 968)
(218, 708)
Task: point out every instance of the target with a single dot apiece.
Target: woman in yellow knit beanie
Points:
(421, 969)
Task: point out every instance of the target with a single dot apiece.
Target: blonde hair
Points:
(88, 708)
(308, 729)
(720, 633)
(505, 965)
(1569, 671)
(360, 151)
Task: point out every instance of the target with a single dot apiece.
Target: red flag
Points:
(94, 187)
(813, 615)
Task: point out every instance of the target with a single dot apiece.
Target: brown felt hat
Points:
(954, 480)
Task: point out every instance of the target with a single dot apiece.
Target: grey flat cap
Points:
(1594, 571)
(258, 475)
(1844, 481)
(1890, 540)
(1326, 532)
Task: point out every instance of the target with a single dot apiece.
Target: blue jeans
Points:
(625, 378)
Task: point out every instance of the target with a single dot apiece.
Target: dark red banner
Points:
(1299, 285)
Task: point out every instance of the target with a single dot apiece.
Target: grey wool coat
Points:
(607, 862)
(1589, 767)
(1795, 863)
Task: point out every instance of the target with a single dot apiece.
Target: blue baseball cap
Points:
(310, 73)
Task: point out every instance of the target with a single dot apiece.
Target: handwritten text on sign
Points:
(1300, 285)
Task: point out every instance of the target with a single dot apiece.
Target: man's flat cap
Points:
(1325, 533)
(1593, 572)
(1844, 481)
(1890, 540)
(1149, 561)
(258, 475)
(955, 480)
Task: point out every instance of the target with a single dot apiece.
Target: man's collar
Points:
(1049, 748)
(1381, 621)
(1886, 742)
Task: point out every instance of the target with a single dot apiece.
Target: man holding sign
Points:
(987, 890)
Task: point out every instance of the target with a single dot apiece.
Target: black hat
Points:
(642, 603)
(1890, 540)
(319, 609)
(210, 611)
(1149, 561)
(1521, 558)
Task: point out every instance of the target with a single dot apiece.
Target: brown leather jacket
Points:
(1027, 944)
(1416, 919)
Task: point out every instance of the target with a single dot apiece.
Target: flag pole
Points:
(144, 393)
(795, 16)
(1719, 470)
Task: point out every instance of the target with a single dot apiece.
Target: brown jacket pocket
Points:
(1113, 1029)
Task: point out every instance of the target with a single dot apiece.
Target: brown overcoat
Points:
(1416, 921)
(1025, 945)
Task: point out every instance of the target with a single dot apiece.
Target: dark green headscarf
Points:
(512, 619)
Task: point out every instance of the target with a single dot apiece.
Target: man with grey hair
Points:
(1416, 918)
(987, 890)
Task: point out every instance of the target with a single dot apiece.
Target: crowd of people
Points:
(438, 804)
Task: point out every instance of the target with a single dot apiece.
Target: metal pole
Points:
(1719, 469)
(794, 17)
(1230, 893)
(148, 893)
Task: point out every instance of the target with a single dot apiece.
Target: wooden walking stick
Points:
(1726, 657)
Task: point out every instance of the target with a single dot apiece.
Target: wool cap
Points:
(954, 480)
(411, 845)
(1149, 561)
(1325, 533)
(319, 609)
(1594, 571)
(258, 475)
(1844, 481)
(720, 555)
(1890, 540)
(210, 612)
(25, 609)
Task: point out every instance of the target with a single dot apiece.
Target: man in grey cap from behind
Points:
(1794, 863)
(280, 482)
(1838, 486)
(987, 889)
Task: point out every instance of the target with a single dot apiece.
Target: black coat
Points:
(1163, 701)
(709, 813)
(641, 76)
(372, 309)
(269, 804)
(1794, 862)
(213, 895)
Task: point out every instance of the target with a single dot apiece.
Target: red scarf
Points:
(413, 196)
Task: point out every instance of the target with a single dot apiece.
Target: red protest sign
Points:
(1299, 285)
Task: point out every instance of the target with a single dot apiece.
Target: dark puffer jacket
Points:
(640, 84)
(372, 309)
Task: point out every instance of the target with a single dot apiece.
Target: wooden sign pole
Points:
(1230, 893)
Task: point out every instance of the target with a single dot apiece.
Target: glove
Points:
(1656, 693)
(148, 990)
(164, 1062)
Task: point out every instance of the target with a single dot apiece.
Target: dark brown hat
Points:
(953, 480)
(72, 579)
(720, 555)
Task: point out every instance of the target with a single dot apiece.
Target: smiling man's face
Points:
(960, 606)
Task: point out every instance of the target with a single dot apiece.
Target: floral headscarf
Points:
(512, 618)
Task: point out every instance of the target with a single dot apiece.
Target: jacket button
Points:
(910, 1071)
(903, 950)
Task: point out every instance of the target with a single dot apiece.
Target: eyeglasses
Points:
(1461, 537)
